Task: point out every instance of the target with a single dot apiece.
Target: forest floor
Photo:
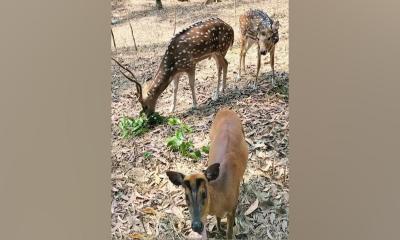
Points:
(145, 205)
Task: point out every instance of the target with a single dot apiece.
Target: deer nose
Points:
(197, 226)
(263, 52)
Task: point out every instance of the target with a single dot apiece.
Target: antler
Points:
(138, 85)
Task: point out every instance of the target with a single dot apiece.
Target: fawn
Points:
(257, 27)
(203, 39)
(215, 191)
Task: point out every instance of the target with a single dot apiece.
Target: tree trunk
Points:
(159, 4)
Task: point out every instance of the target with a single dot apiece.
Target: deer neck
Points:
(159, 83)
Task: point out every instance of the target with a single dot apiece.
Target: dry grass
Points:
(145, 205)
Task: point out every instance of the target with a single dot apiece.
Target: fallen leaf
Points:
(269, 234)
(136, 236)
(252, 208)
(149, 210)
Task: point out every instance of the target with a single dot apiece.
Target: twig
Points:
(141, 220)
(133, 37)
(112, 35)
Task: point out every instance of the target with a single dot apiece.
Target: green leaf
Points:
(186, 129)
(173, 121)
(205, 149)
(147, 155)
(197, 153)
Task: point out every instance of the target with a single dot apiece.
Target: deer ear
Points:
(212, 172)
(275, 25)
(175, 177)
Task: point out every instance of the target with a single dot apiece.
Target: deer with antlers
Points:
(209, 38)
(257, 27)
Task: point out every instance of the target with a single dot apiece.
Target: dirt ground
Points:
(145, 205)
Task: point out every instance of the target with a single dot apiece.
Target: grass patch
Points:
(179, 142)
(132, 127)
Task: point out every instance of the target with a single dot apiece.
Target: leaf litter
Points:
(145, 205)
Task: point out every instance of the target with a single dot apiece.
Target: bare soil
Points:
(145, 205)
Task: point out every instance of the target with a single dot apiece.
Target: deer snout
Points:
(263, 52)
(197, 226)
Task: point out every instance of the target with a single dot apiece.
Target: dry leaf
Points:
(252, 208)
(149, 210)
(136, 236)
(269, 234)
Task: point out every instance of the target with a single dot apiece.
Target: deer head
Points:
(267, 36)
(148, 106)
(196, 193)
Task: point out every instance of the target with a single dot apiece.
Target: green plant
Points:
(205, 149)
(179, 143)
(147, 155)
(132, 127)
(173, 121)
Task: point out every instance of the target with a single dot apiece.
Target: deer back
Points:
(229, 148)
(191, 45)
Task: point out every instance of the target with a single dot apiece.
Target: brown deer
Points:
(257, 27)
(215, 191)
(203, 39)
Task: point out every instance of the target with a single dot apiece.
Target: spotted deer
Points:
(257, 27)
(215, 191)
(209, 38)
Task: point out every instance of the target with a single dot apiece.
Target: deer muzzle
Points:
(197, 226)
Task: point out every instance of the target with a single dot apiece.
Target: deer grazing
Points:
(215, 191)
(257, 27)
(201, 40)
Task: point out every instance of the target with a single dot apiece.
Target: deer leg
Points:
(258, 62)
(219, 78)
(219, 228)
(176, 82)
(225, 70)
(219, 68)
(191, 75)
(231, 221)
(272, 62)
(242, 47)
(248, 44)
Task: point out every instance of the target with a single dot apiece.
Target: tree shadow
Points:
(263, 88)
